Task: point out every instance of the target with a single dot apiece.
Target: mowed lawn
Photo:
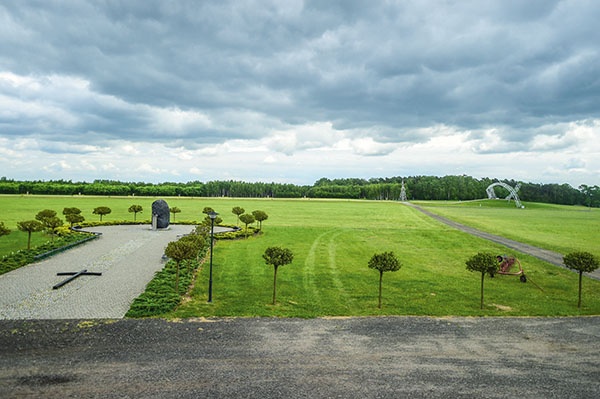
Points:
(559, 228)
(332, 241)
(16, 208)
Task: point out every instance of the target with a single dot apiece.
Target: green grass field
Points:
(333, 241)
(15, 208)
(559, 228)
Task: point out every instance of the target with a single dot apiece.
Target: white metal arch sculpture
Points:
(512, 193)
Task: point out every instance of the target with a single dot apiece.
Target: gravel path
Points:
(127, 256)
(544, 254)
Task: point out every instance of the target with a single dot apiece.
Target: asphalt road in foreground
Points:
(376, 357)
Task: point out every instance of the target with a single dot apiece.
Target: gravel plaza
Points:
(127, 256)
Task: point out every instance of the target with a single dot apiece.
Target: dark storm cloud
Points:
(246, 68)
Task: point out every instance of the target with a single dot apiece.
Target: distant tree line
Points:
(453, 188)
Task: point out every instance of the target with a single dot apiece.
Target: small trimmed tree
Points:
(180, 251)
(197, 240)
(236, 210)
(49, 220)
(30, 226)
(277, 256)
(260, 216)
(73, 215)
(174, 210)
(73, 218)
(45, 214)
(582, 262)
(4, 231)
(71, 211)
(101, 210)
(482, 262)
(135, 209)
(384, 262)
(51, 224)
(207, 221)
(247, 219)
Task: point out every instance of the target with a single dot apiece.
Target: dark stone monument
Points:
(160, 214)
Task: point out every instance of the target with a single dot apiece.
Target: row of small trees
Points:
(249, 218)
(382, 262)
(45, 220)
(486, 263)
(135, 209)
(48, 221)
(187, 247)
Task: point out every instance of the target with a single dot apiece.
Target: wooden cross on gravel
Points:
(74, 275)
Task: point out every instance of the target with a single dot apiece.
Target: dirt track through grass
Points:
(540, 253)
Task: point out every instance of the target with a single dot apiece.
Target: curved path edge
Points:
(543, 254)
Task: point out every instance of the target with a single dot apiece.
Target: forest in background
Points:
(450, 188)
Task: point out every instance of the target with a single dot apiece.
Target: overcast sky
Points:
(291, 91)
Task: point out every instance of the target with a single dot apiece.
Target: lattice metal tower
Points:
(403, 193)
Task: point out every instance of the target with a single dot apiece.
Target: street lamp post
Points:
(213, 216)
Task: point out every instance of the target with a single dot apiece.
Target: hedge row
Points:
(159, 296)
(20, 258)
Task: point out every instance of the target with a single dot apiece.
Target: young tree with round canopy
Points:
(237, 210)
(30, 226)
(135, 209)
(4, 230)
(384, 262)
(582, 262)
(179, 251)
(482, 262)
(101, 210)
(277, 256)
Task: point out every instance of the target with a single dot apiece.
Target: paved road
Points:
(544, 254)
(387, 357)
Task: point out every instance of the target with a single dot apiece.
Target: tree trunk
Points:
(177, 278)
(380, 281)
(29, 240)
(579, 301)
(482, 277)
(274, 285)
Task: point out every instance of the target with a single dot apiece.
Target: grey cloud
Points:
(252, 67)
